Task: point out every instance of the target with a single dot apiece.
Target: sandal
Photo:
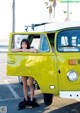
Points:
(23, 104)
(30, 104)
(35, 104)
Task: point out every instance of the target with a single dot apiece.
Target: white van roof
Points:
(53, 26)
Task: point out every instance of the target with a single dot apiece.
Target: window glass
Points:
(68, 40)
(44, 46)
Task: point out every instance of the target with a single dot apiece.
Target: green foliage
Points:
(51, 0)
(70, 12)
(65, 12)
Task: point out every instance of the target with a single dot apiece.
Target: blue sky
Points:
(31, 11)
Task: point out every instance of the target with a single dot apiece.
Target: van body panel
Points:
(64, 67)
(42, 66)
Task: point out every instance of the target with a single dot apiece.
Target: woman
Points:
(28, 101)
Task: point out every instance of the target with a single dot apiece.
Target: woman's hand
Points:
(33, 50)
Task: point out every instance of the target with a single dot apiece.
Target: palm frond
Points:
(46, 3)
(65, 11)
(70, 12)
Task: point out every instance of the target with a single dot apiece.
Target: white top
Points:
(55, 26)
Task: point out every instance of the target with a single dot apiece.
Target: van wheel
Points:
(47, 98)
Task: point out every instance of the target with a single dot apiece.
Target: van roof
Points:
(54, 26)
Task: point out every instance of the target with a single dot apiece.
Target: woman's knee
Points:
(24, 80)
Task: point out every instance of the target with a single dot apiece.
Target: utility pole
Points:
(13, 16)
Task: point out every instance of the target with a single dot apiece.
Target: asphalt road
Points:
(11, 94)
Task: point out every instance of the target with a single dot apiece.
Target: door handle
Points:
(11, 62)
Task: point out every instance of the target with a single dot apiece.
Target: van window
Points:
(68, 41)
(33, 39)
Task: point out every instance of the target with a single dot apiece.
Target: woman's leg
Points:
(25, 88)
(31, 87)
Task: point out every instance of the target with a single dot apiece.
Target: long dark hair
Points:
(27, 42)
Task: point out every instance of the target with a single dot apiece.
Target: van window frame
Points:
(12, 45)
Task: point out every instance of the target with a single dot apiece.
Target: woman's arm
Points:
(16, 50)
(25, 50)
(32, 50)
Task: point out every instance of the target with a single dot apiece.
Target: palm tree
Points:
(54, 5)
(50, 7)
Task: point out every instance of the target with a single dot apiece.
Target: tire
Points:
(36, 85)
(48, 98)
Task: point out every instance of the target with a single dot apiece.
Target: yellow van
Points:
(56, 65)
